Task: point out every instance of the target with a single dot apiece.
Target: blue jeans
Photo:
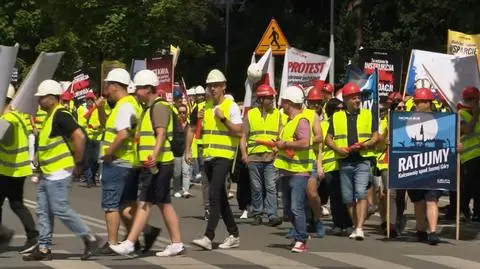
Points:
(294, 201)
(52, 200)
(114, 179)
(92, 149)
(354, 178)
(263, 175)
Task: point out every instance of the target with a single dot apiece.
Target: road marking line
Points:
(265, 259)
(178, 263)
(57, 235)
(72, 264)
(449, 261)
(358, 260)
(101, 224)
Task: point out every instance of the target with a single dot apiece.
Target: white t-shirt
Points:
(234, 113)
(126, 117)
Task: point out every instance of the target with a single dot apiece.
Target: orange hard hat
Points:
(424, 94)
(350, 89)
(327, 87)
(90, 95)
(470, 92)
(394, 96)
(265, 90)
(314, 94)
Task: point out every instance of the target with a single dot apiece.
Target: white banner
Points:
(8, 56)
(447, 74)
(43, 68)
(301, 67)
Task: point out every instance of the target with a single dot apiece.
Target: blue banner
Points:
(422, 153)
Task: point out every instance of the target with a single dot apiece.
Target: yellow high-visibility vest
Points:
(262, 129)
(91, 125)
(381, 150)
(127, 150)
(301, 162)
(14, 158)
(471, 141)
(364, 130)
(217, 140)
(39, 118)
(53, 153)
(148, 139)
(329, 159)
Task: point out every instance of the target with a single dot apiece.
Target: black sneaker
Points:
(137, 246)
(476, 219)
(29, 246)
(5, 238)
(433, 239)
(91, 246)
(38, 255)
(257, 220)
(274, 222)
(105, 250)
(150, 237)
(421, 236)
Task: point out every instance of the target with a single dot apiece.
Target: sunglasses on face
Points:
(338, 108)
(182, 112)
(401, 107)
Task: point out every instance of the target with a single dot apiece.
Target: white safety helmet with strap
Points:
(49, 87)
(146, 78)
(10, 91)
(215, 76)
(118, 75)
(294, 94)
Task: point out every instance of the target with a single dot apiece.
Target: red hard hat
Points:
(424, 94)
(314, 94)
(66, 96)
(90, 95)
(470, 93)
(265, 90)
(350, 89)
(327, 87)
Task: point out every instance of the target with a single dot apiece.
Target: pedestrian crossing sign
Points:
(273, 37)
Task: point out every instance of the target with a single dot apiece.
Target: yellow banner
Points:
(463, 44)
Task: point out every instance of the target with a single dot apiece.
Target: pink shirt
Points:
(302, 132)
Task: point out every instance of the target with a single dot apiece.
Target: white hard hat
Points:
(215, 76)
(294, 94)
(191, 91)
(49, 86)
(199, 90)
(10, 91)
(146, 78)
(254, 73)
(119, 75)
(229, 96)
(131, 87)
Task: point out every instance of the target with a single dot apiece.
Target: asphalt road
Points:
(261, 246)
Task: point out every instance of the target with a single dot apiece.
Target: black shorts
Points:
(427, 195)
(155, 189)
(131, 186)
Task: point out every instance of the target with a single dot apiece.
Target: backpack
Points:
(177, 142)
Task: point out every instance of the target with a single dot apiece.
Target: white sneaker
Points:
(325, 211)
(230, 242)
(177, 195)
(169, 251)
(230, 195)
(353, 235)
(204, 243)
(359, 236)
(244, 214)
(186, 195)
(125, 248)
(198, 176)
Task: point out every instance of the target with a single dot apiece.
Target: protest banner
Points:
(8, 56)
(81, 86)
(446, 74)
(389, 65)
(422, 153)
(267, 65)
(301, 67)
(462, 44)
(163, 68)
(43, 68)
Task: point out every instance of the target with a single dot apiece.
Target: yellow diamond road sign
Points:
(273, 37)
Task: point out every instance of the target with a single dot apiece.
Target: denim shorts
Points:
(354, 180)
(131, 186)
(113, 185)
